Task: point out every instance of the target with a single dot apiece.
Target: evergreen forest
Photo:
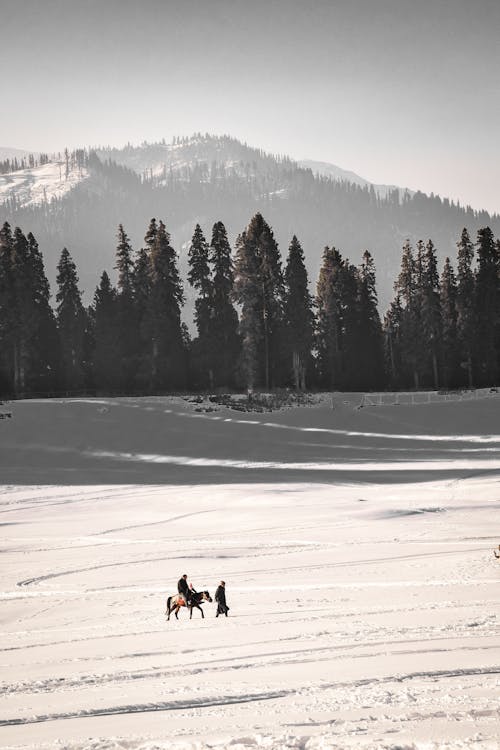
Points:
(256, 326)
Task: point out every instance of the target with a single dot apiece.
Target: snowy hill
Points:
(205, 179)
(356, 546)
(40, 185)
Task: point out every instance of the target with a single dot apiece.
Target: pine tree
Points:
(448, 301)
(371, 343)
(351, 374)
(224, 336)
(298, 314)
(329, 334)
(163, 320)
(487, 306)
(7, 310)
(259, 289)
(128, 347)
(408, 289)
(142, 288)
(72, 324)
(466, 316)
(24, 322)
(431, 309)
(393, 323)
(44, 354)
(106, 352)
(200, 279)
(124, 263)
(247, 291)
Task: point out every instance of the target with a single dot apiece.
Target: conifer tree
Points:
(200, 279)
(329, 335)
(224, 336)
(448, 301)
(247, 290)
(370, 341)
(408, 290)
(71, 321)
(106, 353)
(128, 344)
(393, 343)
(259, 289)
(141, 288)
(44, 343)
(487, 305)
(7, 310)
(298, 314)
(163, 320)
(124, 263)
(351, 374)
(466, 315)
(24, 322)
(431, 309)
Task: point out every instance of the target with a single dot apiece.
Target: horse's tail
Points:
(168, 605)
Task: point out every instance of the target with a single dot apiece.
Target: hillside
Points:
(204, 179)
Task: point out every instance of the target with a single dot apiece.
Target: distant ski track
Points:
(324, 466)
(350, 564)
(157, 523)
(318, 613)
(149, 707)
(180, 705)
(245, 662)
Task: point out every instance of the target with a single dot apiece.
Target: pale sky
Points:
(403, 92)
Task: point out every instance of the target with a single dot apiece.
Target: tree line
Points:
(257, 324)
(25, 162)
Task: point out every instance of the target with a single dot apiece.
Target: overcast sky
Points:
(405, 92)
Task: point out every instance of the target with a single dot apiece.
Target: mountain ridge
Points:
(204, 179)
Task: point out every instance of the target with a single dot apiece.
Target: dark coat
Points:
(220, 595)
(182, 587)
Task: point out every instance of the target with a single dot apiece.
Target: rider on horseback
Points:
(183, 588)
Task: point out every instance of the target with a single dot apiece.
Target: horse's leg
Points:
(177, 612)
(191, 612)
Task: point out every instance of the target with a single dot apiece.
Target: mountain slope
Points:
(342, 175)
(205, 179)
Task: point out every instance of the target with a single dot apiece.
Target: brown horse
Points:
(174, 603)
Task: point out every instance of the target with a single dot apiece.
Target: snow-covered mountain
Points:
(211, 158)
(78, 202)
(41, 184)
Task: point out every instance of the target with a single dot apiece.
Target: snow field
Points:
(364, 613)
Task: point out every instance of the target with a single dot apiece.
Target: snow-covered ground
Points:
(356, 546)
(40, 184)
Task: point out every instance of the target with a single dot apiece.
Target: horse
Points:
(174, 603)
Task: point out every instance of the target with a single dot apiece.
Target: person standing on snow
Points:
(220, 598)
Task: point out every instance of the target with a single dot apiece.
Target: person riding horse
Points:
(183, 588)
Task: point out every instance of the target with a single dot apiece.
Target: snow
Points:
(40, 184)
(337, 174)
(364, 599)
